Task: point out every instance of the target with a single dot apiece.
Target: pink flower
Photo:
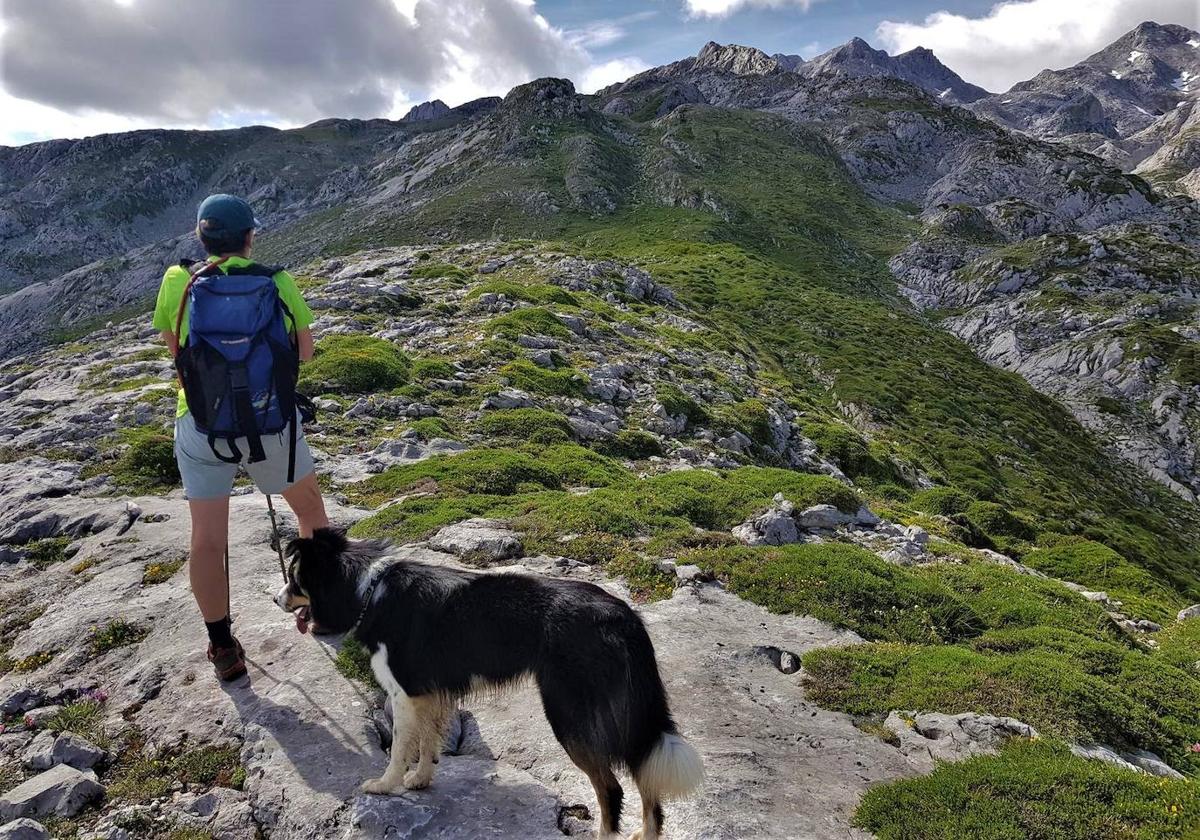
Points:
(30, 723)
(1196, 747)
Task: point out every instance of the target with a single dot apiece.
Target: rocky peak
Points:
(789, 62)
(427, 111)
(919, 66)
(547, 97)
(735, 59)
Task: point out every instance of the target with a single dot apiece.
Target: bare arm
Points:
(171, 341)
(304, 344)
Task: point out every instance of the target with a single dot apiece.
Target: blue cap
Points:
(225, 215)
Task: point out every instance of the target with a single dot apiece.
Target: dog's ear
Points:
(330, 541)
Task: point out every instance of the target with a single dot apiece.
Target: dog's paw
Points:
(382, 785)
(416, 779)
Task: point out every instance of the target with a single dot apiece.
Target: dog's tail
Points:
(672, 770)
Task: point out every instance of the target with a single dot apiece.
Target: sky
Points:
(72, 68)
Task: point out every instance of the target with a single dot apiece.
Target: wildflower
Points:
(1196, 747)
(29, 722)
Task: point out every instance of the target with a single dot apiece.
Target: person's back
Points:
(243, 414)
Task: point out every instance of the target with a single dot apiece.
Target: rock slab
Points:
(62, 791)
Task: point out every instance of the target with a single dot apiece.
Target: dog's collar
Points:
(370, 593)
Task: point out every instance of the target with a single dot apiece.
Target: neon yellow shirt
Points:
(170, 295)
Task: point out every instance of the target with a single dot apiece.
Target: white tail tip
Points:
(673, 770)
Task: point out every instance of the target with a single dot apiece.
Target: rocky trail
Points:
(778, 766)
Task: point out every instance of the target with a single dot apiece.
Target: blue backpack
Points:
(239, 365)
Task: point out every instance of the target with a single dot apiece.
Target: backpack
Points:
(239, 365)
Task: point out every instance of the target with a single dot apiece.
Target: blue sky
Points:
(661, 31)
(71, 68)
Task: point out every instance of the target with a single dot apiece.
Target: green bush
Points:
(1100, 568)
(542, 293)
(493, 472)
(845, 585)
(354, 364)
(997, 521)
(1031, 790)
(577, 466)
(1179, 645)
(562, 382)
(432, 368)
(943, 501)
(749, 417)
(634, 444)
(526, 424)
(148, 463)
(851, 452)
(532, 321)
(1063, 683)
(675, 402)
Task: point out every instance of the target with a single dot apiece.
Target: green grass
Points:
(676, 403)
(354, 662)
(147, 465)
(430, 367)
(536, 293)
(633, 444)
(47, 552)
(1061, 682)
(141, 775)
(1100, 568)
(354, 364)
(115, 634)
(845, 585)
(1033, 790)
(161, 571)
(1179, 645)
(83, 717)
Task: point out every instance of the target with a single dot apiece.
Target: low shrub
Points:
(750, 417)
(354, 364)
(1031, 790)
(432, 368)
(532, 321)
(526, 424)
(634, 444)
(998, 521)
(561, 382)
(675, 402)
(1100, 568)
(493, 472)
(541, 293)
(844, 585)
(46, 552)
(148, 463)
(941, 500)
(117, 633)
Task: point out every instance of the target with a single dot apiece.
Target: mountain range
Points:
(846, 340)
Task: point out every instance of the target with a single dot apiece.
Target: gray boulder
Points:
(929, 737)
(489, 538)
(62, 791)
(22, 700)
(774, 527)
(822, 518)
(508, 398)
(24, 829)
(1189, 612)
(48, 750)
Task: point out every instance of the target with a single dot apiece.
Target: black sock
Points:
(218, 632)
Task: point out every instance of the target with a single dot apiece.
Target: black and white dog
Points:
(437, 634)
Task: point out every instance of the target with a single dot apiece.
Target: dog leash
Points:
(275, 536)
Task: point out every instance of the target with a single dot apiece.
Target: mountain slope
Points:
(918, 66)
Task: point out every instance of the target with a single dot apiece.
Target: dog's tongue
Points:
(302, 619)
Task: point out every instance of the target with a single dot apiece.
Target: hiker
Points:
(237, 406)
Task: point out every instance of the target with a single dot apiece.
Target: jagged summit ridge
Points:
(919, 66)
(736, 59)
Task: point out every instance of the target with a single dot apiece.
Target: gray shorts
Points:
(205, 476)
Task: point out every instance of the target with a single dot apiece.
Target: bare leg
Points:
(431, 711)
(206, 568)
(403, 730)
(304, 498)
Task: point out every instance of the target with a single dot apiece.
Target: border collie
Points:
(438, 634)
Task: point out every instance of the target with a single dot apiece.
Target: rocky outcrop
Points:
(918, 66)
(927, 738)
(61, 791)
(485, 539)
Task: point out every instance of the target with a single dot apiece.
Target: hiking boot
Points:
(229, 663)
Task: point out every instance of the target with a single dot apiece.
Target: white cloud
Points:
(609, 72)
(1016, 40)
(355, 58)
(724, 8)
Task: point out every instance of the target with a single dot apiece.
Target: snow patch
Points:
(944, 93)
(1194, 44)
(1184, 80)
(1115, 74)
(1134, 55)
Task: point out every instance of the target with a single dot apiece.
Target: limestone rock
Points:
(24, 829)
(489, 538)
(822, 518)
(1189, 612)
(60, 791)
(930, 736)
(48, 750)
(507, 398)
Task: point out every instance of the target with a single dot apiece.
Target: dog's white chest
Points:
(383, 674)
